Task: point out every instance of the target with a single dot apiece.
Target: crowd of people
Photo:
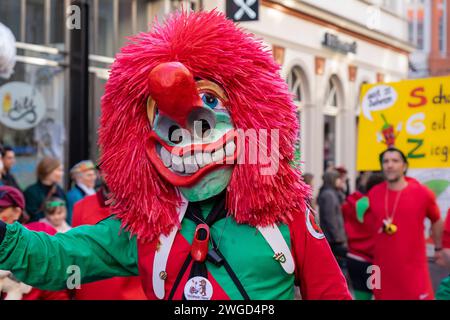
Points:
(45, 206)
(377, 232)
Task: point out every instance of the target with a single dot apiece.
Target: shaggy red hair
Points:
(212, 48)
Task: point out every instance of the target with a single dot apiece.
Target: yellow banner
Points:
(412, 115)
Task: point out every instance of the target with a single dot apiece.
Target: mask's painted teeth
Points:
(166, 157)
(218, 155)
(177, 164)
(190, 164)
(230, 148)
(203, 158)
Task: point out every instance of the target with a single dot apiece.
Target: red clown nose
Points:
(173, 88)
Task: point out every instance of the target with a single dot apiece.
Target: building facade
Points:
(429, 31)
(326, 49)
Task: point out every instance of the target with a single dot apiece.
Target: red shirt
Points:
(91, 210)
(446, 235)
(359, 234)
(401, 257)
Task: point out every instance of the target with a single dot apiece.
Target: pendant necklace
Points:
(388, 226)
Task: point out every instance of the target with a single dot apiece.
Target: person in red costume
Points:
(360, 240)
(397, 209)
(89, 211)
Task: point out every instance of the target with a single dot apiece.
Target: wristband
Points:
(2, 230)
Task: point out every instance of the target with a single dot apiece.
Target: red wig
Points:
(212, 48)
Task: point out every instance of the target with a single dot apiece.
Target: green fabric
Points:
(100, 251)
(362, 295)
(443, 292)
(54, 204)
(361, 208)
(269, 282)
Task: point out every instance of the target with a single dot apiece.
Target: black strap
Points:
(2, 231)
(218, 212)
(180, 276)
(193, 212)
(233, 275)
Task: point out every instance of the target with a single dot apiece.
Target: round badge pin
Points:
(312, 226)
(198, 288)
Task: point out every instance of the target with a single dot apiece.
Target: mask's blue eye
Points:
(210, 100)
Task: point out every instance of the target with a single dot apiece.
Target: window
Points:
(142, 19)
(105, 23)
(126, 21)
(57, 22)
(190, 4)
(9, 14)
(295, 85)
(35, 22)
(416, 12)
(442, 21)
(331, 97)
(333, 102)
(296, 82)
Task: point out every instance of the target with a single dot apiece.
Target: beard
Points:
(394, 178)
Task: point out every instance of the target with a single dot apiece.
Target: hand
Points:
(442, 258)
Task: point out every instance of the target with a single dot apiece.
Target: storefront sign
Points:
(411, 115)
(333, 42)
(22, 106)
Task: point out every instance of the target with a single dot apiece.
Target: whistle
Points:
(199, 249)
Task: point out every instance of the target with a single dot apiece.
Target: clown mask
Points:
(193, 143)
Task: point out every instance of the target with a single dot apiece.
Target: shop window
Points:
(57, 23)
(9, 14)
(126, 21)
(142, 19)
(105, 23)
(333, 100)
(35, 22)
(33, 123)
(297, 83)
